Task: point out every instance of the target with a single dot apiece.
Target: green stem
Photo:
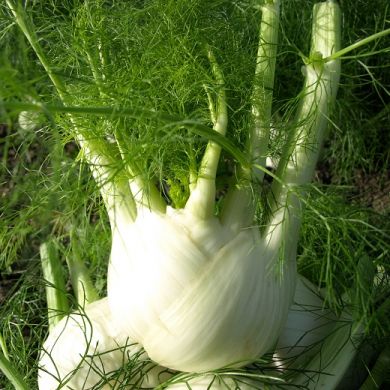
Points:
(102, 58)
(95, 151)
(95, 72)
(12, 374)
(202, 199)
(83, 287)
(3, 347)
(25, 25)
(356, 45)
(137, 191)
(57, 301)
(300, 156)
(113, 184)
(144, 193)
(238, 209)
(119, 197)
(264, 86)
(213, 113)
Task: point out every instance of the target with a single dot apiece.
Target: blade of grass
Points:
(12, 374)
(79, 274)
(57, 301)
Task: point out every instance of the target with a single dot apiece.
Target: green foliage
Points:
(344, 248)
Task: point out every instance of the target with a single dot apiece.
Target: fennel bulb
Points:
(195, 293)
(84, 348)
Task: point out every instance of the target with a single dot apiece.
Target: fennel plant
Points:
(202, 271)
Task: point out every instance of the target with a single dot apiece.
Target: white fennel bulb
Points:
(196, 294)
(83, 349)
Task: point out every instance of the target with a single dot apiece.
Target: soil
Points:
(373, 190)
